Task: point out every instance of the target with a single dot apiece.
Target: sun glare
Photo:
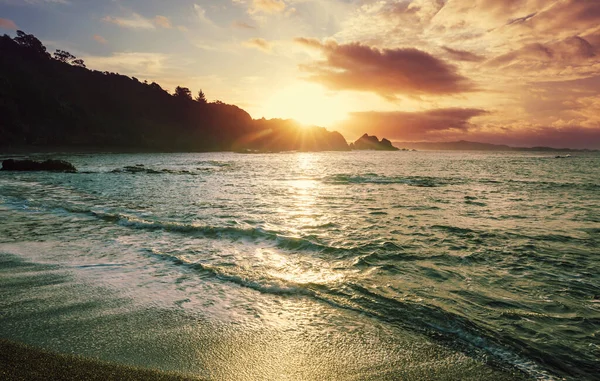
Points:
(307, 103)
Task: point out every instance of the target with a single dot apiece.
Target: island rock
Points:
(367, 142)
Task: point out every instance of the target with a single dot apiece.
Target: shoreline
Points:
(20, 361)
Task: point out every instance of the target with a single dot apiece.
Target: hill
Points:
(56, 101)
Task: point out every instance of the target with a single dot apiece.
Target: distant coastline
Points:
(464, 145)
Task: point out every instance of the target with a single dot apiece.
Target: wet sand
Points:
(22, 362)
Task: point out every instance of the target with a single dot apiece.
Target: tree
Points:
(201, 98)
(78, 62)
(31, 42)
(66, 57)
(183, 92)
(63, 56)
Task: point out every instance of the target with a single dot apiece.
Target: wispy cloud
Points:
(34, 2)
(462, 55)
(7, 24)
(163, 22)
(99, 39)
(201, 13)
(267, 6)
(260, 44)
(242, 25)
(135, 21)
(130, 63)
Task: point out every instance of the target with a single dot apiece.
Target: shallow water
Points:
(362, 265)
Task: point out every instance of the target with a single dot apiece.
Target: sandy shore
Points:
(22, 362)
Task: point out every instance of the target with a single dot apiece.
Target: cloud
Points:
(412, 126)
(201, 13)
(134, 22)
(7, 24)
(462, 55)
(163, 22)
(521, 19)
(267, 6)
(130, 63)
(387, 72)
(567, 17)
(242, 25)
(34, 2)
(99, 39)
(260, 44)
(571, 57)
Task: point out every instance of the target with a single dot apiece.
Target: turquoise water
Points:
(361, 265)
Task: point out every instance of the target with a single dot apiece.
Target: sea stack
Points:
(367, 142)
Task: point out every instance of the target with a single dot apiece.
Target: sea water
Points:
(300, 266)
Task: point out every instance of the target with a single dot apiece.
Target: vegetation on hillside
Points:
(55, 101)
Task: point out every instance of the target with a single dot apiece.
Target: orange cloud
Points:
(163, 22)
(242, 25)
(550, 59)
(7, 24)
(432, 125)
(462, 55)
(259, 43)
(136, 21)
(387, 72)
(99, 39)
(267, 6)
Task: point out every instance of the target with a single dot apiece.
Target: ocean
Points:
(310, 266)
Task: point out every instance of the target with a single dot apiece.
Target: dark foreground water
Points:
(299, 266)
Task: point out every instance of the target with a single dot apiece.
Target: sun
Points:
(307, 103)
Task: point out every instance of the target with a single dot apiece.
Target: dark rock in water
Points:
(137, 169)
(32, 165)
(367, 142)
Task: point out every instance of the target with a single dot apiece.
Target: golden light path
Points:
(301, 211)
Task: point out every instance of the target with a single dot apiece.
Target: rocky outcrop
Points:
(367, 142)
(32, 165)
(277, 135)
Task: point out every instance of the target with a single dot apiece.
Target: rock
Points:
(32, 165)
(367, 142)
(386, 143)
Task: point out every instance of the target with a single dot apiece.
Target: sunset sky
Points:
(518, 72)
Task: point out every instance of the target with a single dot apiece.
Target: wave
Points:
(438, 324)
(233, 233)
(372, 178)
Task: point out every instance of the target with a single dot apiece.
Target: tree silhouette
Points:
(66, 57)
(78, 62)
(201, 98)
(31, 42)
(63, 56)
(183, 92)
